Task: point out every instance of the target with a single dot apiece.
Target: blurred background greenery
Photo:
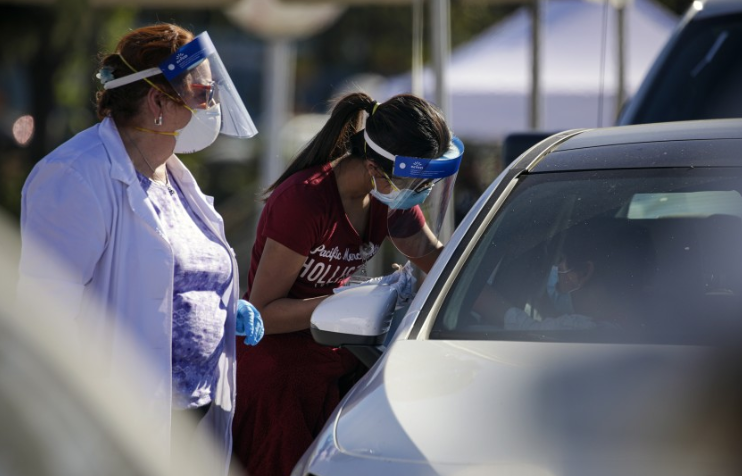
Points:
(48, 62)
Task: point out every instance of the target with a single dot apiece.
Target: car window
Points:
(653, 254)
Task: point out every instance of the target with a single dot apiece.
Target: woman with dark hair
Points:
(348, 189)
(141, 251)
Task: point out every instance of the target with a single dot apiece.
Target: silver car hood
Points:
(541, 409)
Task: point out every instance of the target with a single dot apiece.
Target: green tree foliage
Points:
(49, 56)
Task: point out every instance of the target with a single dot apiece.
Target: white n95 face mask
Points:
(201, 131)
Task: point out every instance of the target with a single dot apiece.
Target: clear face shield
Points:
(199, 77)
(421, 191)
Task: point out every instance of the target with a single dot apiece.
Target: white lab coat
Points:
(83, 204)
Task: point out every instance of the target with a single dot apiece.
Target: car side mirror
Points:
(357, 318)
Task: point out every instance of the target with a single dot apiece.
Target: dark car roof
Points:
(706, 143)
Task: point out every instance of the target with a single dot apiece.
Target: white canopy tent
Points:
(489, 78)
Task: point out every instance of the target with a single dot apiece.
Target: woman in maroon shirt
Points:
(323, 219)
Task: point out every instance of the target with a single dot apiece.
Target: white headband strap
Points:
(376, 148)
(124, 80)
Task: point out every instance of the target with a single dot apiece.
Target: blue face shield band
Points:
(413, 177)
(422, 169)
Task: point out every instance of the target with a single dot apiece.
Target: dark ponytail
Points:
(334, 139)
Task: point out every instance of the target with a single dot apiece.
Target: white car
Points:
(638, 375)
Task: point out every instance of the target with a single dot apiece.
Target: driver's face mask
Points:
(562, 300)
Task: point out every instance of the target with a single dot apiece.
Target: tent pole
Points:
(418, 88)
(621, 69)
(441, 49)
(535, 101)
(278, 98)
(441, 38)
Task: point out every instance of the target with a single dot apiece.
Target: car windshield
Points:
(701, 78)
(619, 255)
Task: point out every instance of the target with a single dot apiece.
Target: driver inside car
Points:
(596, 283)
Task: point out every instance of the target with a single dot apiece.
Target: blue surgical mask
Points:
(400, 199)
(562, 301)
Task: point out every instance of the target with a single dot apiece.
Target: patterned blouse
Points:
(203, 271)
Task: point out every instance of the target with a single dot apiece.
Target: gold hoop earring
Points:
(158, 120)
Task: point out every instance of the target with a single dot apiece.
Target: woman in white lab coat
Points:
(119, 237)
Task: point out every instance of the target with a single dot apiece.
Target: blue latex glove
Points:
(404, 282)
(249, 323)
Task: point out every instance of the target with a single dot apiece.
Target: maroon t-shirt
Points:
(305, 213)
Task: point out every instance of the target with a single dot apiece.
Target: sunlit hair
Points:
(403, 125)
(142, 48)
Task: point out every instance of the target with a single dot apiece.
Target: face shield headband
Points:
(209, 78)
(420, 195)
(423, 169)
